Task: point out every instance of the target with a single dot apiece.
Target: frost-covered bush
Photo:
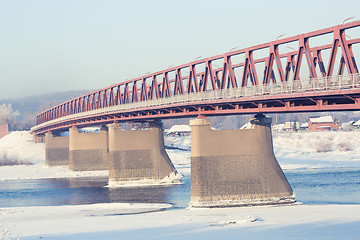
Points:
(6, 160)
(7, 114)
(5, 232)
(324, 146)
(344, 146)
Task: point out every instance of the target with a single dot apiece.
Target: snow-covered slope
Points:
(317, 149)
(20, 145)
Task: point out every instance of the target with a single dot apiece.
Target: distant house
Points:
(4, 130)
(291, 126)
(179, 130)
(304, 126)
(278, 127)
(324, 123)
(357, 124)
(287, 126)
(347, 126)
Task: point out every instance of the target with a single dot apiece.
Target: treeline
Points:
(20, 113)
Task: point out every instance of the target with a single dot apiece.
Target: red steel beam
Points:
(300, 102)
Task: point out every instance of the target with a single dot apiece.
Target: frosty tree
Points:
(7, 115)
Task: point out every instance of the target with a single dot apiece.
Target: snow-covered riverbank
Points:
(121, 221)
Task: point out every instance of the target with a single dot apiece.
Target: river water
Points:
(312, 186)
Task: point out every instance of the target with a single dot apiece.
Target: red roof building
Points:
(325, 123)
(4, 130)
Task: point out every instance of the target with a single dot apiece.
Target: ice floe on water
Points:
(173, 178)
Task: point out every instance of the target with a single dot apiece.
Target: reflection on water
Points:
(44, 192)
(326, 186)
(312, 186)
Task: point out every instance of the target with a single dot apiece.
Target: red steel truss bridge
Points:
(316, 71)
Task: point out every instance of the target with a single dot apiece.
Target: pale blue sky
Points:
(50, 46)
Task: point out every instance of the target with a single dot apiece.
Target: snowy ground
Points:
(317, 149)
(149, 221)
(20, 145)
(119, 221)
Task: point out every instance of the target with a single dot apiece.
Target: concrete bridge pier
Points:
(235, 167)
(137, 155)
(56, 150)
(88, 151)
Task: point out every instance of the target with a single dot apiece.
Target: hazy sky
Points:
(50, 46)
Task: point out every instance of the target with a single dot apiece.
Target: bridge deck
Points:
(322, 94)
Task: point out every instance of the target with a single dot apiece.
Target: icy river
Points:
(334, 185)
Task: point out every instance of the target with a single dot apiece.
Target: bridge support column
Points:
(235, 167)
(88, 151)
(56, 150)
(137, 155)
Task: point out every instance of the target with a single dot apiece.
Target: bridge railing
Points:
(324, 84)
(320, 84)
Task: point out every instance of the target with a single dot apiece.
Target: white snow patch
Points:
(40, 171)
(245, 202)
(173, 178)
(178, 142)
(323, 119)
(249, 219)
(247, 125)
(278, 127)
(181, 160)
(179, 129)
(304, 125)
